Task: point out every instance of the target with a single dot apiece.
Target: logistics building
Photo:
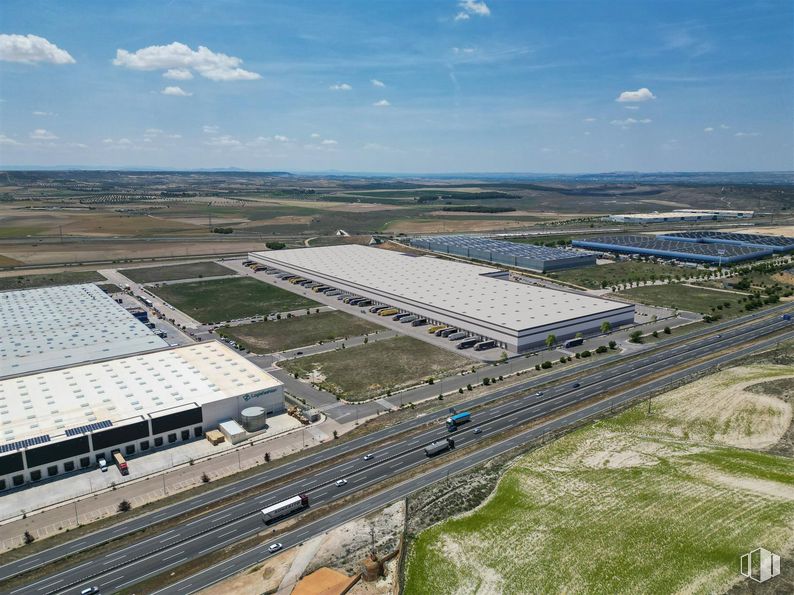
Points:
(675, 249)
(525, 256)
(679, 215)
(775, 243)
(63, 420)
(476, 299)
(64, 326)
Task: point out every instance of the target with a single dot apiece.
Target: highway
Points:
(208, 532)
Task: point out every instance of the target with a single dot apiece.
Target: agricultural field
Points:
(289, 333)
(230, 299)
(48, 280)
(686, 297)
(368, 371)
(191, 270)
(618, 273)
(663, 502)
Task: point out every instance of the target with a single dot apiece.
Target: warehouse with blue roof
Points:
(778, 244)
(524, 256)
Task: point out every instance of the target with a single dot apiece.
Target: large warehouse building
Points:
(525, 256)
(681, 215)
(62, 420)
(476, 299)
(774, 243)
(690, 251)
(64, 326)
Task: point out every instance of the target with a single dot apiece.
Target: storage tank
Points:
(253, 419)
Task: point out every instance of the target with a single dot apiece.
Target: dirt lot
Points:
(32, 281)
(192, 270)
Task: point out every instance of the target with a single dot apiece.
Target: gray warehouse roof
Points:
(504, 247)
(66, 325)
(469, 290)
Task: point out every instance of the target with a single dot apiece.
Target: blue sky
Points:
(399, 86)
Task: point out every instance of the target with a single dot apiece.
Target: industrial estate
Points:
(230, 408)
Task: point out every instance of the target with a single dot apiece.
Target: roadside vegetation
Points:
(621, 272)
(664, 501)
(287, 333)
(368, 371)
(230, 299)
(51, 279)
(191, 270)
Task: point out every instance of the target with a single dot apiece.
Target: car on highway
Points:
(539, 393)
(298, 353)
(89, 591)
(477, 431)
(274, 547)
(576, 385)
(368, 457)
(341, 482)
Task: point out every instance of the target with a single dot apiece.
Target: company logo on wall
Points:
(760, 565)
(261, 393)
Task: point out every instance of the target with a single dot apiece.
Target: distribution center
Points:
(477, 299)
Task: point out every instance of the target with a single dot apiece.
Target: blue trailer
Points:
(458, 419)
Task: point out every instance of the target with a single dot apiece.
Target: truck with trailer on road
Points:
(435, 448)
(453, 421)
(285, 507)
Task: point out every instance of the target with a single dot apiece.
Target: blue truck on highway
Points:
(458, 419)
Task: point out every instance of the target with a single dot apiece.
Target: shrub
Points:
(636, 337)
(468, 387)
(586, 353)
(666, 330)
(601, 349)
(124, 506)
(29, 538)
(486, 381)
(613, 344)
(546, 365)
(205, 478)
(275, 245)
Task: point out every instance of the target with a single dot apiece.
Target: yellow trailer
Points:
(433, 329)
(388, 312)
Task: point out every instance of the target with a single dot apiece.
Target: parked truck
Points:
(407, 319)
(458, 419)
(388, 312)
(434, 448)
(285, 507)
(419, 322)
(121, 463)
(466, 344)
(456, 336)
(573, 343)
(447, 332)
(482, 346)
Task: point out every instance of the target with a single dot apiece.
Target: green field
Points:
(370, 370)
(638, 504)
(229, 299)
(33, 281)
(685, 297)
(288, 333)
(617, 273)
(192, 270)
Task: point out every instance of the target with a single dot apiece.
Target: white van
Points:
(103, 464)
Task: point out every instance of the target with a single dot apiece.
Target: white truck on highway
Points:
(436, 447)
(285, 507)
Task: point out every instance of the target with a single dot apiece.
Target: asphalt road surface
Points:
(206, 533)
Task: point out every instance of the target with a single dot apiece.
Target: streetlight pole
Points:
(76, 516)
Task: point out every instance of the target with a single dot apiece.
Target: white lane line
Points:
(29, 563)
(227, 533)
(114, 558)
(180, 553)
(167, 538)
(47, 586)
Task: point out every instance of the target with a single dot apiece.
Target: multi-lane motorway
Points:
(157, 552)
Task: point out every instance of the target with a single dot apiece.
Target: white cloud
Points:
(632, 107)
(152, 132)
(207, 129)
(457, 50)
(223, 141)
(107, 141)
(178, 74)
(643, 94)
(4, 140)
(724, 126)
(173, 136)
(38, 113)
(314, 135)
(377, 83)
(78, 145)
(741, 134)
(30, 49)
(469, 8)
(175, 92)
(340, 87)
(589, 119)
(382, 103)
(329, 141)
(41, 134)
(179, 57)
(124, 141)
(708, 129)
(630, 122)
(281, 138)
(546, 150)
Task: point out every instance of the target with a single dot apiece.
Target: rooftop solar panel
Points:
(684, 250)
(27, 442)
(777, 243)
(89, 427)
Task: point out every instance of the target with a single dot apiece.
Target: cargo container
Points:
(388, 312)
(458, 419)
(436, 447)
(419, 322)
(457, 336)
(285, 507)
(435, 328)
(466, 344)
(121, 463)
(484, 345)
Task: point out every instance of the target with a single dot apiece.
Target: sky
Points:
(428, 86)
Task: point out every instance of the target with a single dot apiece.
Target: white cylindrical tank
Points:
(253, 419)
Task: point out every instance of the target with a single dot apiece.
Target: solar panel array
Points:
(106, 423)
(683, 250)
(528, 256)
(27, 442)
(777, 243)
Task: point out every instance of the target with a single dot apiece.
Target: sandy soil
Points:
(782, 230)
(262, 578)
(506, 214)
(362, 207)
(409, 226)
(203, 221)
(283, 220)
(665, 203)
